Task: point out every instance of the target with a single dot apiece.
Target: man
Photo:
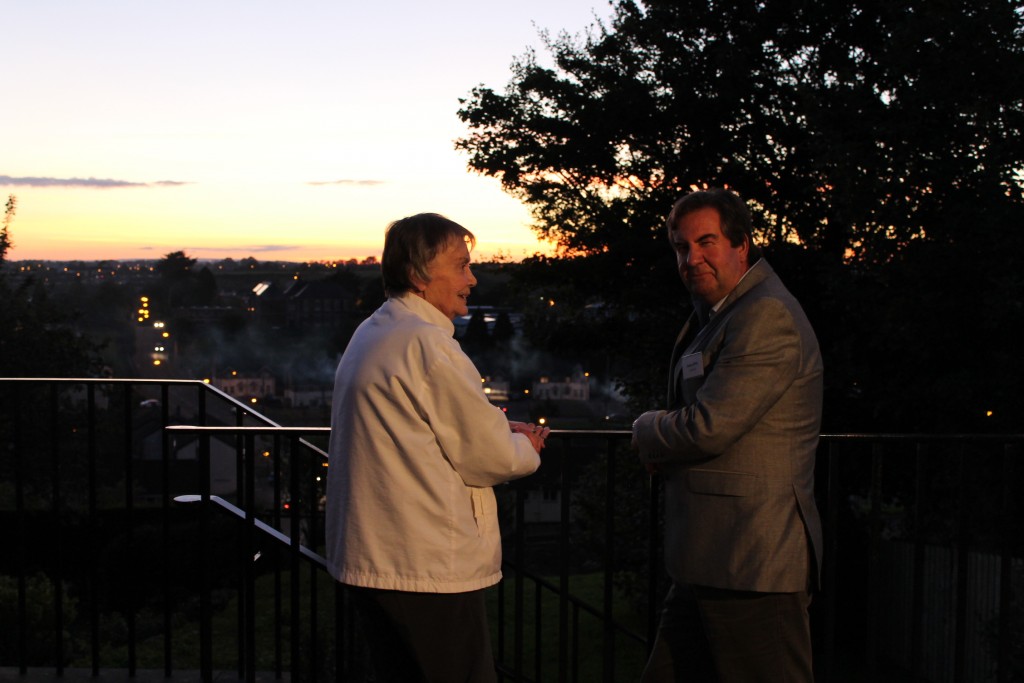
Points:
(736, 448)
(415, 448)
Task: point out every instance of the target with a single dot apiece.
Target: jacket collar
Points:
(419, 307)
(755, 275)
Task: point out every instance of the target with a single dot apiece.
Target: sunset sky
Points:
(281, 131)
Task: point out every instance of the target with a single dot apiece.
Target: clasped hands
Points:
(536, 434)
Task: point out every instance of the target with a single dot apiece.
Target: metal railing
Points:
(164, 525)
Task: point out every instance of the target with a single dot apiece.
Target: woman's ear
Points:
(419, 285)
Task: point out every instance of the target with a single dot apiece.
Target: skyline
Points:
(252, 129)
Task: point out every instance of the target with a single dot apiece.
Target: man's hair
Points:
(733, 212)
(411, 243)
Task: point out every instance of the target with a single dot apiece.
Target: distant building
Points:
(575, 387)
(321, 304)
(303, 305)
(308, 396)
(245, 386)
(497, 389)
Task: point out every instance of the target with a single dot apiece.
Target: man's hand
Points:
(651, 468)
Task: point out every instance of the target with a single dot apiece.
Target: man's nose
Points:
(472, 278)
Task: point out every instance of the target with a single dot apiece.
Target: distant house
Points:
(575, 387)
(321, 304)
(303, 305)
(497, 389)
(308, 396)
(244, 386)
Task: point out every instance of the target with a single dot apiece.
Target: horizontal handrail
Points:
(261, 526)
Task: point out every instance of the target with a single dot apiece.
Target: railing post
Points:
(165, 507)
(1004, 646)
(962, 567)
(921, 503)
(205, 607)
(57, 581)
(874, 562)
(563, 564)
(313, 506)
(654, 564)
(276, 522)
(830, 570)
(295, 527)
(250, 559)
(244, 548)
(94, 615)
(518, 638)
(129, 505)
(21, 554)
(608, 619)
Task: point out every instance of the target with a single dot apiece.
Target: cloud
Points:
(364, 183)
(252, 248)
(101, 183)
(230, 251)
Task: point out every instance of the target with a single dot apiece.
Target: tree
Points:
(37, 335)
(176, 275)
(5, 239)
(870, 139)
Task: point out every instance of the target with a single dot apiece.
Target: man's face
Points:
(708, 264)
(450, 280)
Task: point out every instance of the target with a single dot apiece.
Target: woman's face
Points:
(450, 280)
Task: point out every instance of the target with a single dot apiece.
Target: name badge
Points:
(693, 366)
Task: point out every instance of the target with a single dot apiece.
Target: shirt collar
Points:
(427, 311)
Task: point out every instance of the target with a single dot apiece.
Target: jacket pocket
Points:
(721, 483)
(485, 510)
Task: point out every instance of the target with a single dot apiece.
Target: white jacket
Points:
(415, 447)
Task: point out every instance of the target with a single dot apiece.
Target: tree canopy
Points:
(879, 145)
(37, 335)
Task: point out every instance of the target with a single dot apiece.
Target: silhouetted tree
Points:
(503, 331)
(175, 271)
(5, 240)
(476, 338)
(870, 139)
(38, 337)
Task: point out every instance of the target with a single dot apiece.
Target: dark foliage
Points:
(879, 146)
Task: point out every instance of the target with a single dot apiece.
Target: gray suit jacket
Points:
(737, 444)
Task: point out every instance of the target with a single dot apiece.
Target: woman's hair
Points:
(411, 243)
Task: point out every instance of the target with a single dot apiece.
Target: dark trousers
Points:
(725, 636)
(426, 637)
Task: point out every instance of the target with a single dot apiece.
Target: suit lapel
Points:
(692, 338)
(686, 336)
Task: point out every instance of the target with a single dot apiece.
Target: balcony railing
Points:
(159, 525)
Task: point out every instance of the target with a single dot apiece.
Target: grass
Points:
(584, 641)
